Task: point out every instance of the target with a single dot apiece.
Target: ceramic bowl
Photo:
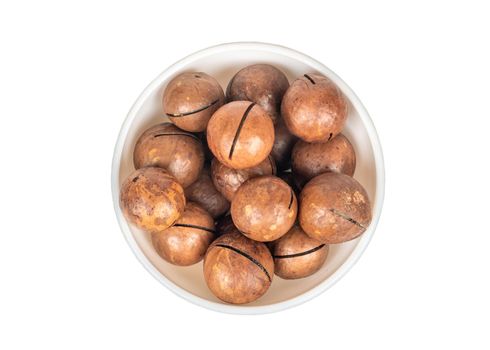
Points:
(222, 62)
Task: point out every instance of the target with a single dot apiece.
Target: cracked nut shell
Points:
(312, 159)
(334, 208)
(240, 134)
(203, 192)
(166, 146)
(264, 208)
(190, 99)
(238, 270)
(314, 108)
(260, 83)
(227, 180)
(152, 199)
(296, 255)
(186, 242)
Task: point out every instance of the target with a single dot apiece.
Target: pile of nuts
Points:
(257, 182)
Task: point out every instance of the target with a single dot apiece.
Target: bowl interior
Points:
(223, 64)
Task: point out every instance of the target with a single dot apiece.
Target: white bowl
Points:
(222, 62)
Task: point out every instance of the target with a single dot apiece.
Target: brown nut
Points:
(312, 159)
(334, 208)
(296, 255)
(283, 145)
(228, 180)
(238, 270)
(203, 192)
(190, 99)
(166, 146)
(240, 134)
(314, 108)
(264, 208)
(151, 199)
(186, 242)
(260, 83)
(225, 225)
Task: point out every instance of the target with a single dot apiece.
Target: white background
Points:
(70, 72)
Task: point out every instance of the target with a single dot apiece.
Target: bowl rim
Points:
(363, 241)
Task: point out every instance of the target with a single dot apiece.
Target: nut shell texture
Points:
(152, 199)
(312, 159)
(186, 242)
(264, 208)
(334, 208)
(203, 192)
(166, 146)
(260, 83)
(314, 108)
(190, 99)
(296, 255)
(238, 270)
(228, 180)
(240, 134)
